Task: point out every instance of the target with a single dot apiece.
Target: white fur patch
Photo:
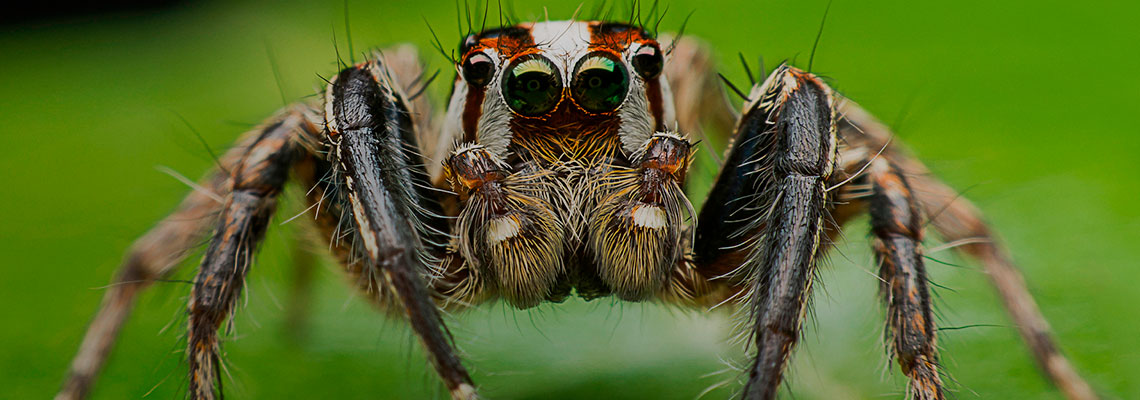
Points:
(494, 130)
(651, 217)
(563, 42)
(464, 392)
(636, 123)
(500, 229)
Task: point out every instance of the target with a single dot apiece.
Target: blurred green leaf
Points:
(1030, 105)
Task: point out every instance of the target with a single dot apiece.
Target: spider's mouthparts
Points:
(638, 223)
(511, 234)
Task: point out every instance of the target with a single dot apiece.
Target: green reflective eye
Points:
(532, 86)
(600, 83)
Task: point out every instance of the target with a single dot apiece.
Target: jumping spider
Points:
(559, 168)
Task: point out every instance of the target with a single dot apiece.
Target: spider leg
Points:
(765, 215)
(896, 222)
(698, 93)
(156, 254)
(957, 220)
(257, 180)
(403, 60)
(386, 192)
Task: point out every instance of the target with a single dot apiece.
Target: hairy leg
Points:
(155, 256)
(257, 180)
(957, 220)
(403, 60)
(767, 212)
(395, 218)
(896, 222)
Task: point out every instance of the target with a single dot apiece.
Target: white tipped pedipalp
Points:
(647, 216)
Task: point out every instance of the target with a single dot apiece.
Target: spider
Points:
(558, 169)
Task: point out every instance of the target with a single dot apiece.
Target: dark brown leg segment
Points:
(896, 223)
(767, 210)
(257, 179)
(958, 220)
(394, 214)
(155, 255)
(801, 163)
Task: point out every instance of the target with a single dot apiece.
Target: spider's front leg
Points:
(384, 188)
(257, 179)
(764, 219)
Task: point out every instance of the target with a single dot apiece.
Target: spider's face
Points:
(552, 89)
(566, 176)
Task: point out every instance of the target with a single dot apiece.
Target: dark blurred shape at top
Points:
(38, 11)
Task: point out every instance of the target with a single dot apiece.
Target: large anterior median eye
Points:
(532, 86)
(600, 83)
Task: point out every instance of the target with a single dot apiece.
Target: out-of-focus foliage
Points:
(1026, 105)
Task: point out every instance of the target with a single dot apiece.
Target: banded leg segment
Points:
(153, 256)
(397, 222)
(156, 254)
(896, 223)
(956, 219)
(257, 179)
(766, 213)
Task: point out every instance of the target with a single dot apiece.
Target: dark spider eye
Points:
(532, 86)
(647, 61)
(478, 69)
(600, 83)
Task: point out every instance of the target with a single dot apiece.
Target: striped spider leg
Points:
(844, 165)
(375, 204)
(772, 200)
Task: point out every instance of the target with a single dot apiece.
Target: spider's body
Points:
(558, 169)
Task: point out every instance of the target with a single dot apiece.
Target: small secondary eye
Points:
(532, 86)
(648, 62)
(600, 83)
(478, 69)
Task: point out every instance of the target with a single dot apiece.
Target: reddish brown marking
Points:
(805, 77)
(616, 36)
(472, 110)
(509, 42)
(666, 159)
(473, 168)
(566, 132)
(668, 154)
(656, 102)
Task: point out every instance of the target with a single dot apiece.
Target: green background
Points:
(1028, 104)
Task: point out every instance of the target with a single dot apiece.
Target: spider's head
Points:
(530, 84)
(564, 150)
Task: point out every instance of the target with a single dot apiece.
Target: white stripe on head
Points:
(563, 42)
(493, 129)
